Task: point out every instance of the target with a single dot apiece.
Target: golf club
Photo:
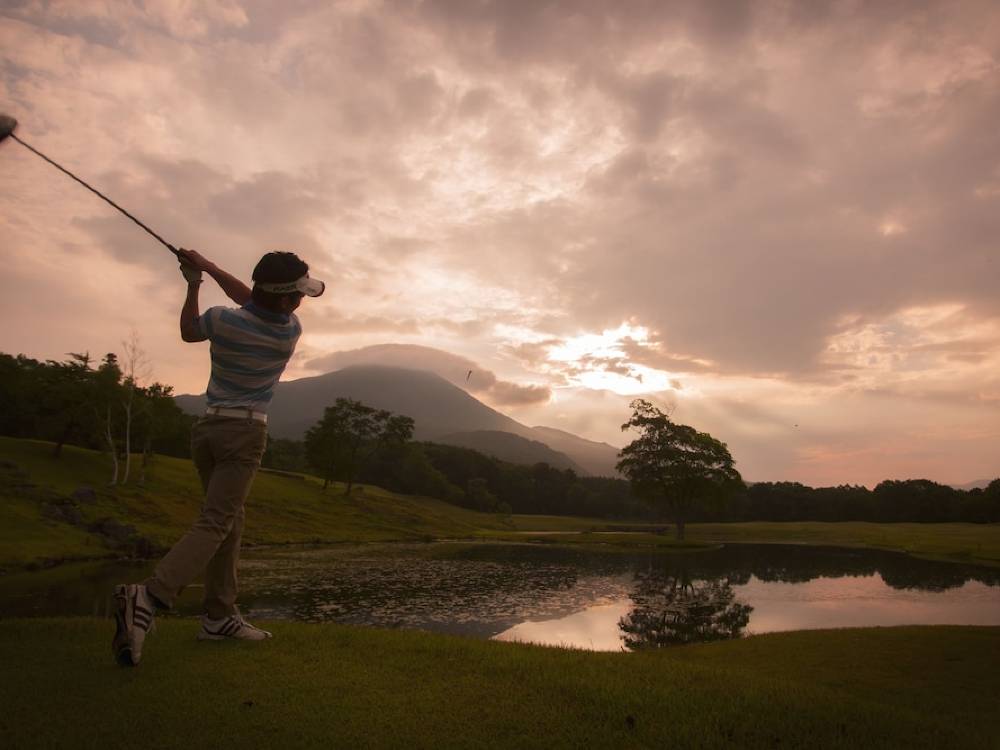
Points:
(7, 126)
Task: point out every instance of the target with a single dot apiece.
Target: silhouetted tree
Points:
(479, 496)
(64, 412)
(674, 466)
(349, 434)
(285, 455)
(160, 424)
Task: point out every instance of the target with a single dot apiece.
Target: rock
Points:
(63, 513)
(113, 530)
(85, 495)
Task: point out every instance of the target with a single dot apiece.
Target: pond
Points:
(561, 595)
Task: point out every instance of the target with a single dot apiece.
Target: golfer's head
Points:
(281, 280)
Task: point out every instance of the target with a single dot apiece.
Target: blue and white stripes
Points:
(250, 348)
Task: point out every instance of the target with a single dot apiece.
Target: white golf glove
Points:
(191, 274)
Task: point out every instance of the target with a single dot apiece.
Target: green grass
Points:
(284, 509)
(977, 544)
(336, 686)
(280, 510)
(953, 542)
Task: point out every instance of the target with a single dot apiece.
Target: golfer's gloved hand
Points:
(191, 275)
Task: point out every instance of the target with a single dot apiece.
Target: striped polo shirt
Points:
(250, 347)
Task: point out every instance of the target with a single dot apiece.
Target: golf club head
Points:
(7, 125)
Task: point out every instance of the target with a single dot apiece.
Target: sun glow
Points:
(599, 361)
(604, 345)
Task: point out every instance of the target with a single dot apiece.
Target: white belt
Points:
(219, 411)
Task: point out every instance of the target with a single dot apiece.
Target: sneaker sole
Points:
(203, 636)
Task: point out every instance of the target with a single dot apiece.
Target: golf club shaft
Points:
(98, 193)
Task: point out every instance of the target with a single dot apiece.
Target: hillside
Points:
(598, 458)
(54, 510)
(438, 407)
(62, 509)
(511, 448)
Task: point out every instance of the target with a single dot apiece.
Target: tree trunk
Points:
(328, 475)
(147, 456)
(128, 434)
(350, 470)
(64, 437)
(680, 529)
(111, 448)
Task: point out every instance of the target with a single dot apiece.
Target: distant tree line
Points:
(460, 476)
(102, 405)
(915, 500)
(471, 479)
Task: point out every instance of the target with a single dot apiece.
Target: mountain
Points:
(511, 448)
(437, 407)
(979, 484)
(597, 458)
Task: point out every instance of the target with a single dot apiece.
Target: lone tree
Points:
(348, 435)
(673, 466)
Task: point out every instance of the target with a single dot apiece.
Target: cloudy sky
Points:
(780, 220)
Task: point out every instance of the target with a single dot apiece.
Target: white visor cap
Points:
(305, 285)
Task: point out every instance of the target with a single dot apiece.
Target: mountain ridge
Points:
(512, 448)
(438, 408)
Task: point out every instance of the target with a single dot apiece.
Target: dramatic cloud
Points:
(780, 219)
(458, 370)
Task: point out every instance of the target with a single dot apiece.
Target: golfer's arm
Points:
(190, 330)
(235, 289)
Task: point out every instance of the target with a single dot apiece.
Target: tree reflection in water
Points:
(672, 609)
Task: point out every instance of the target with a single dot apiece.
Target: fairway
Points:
(335, 686)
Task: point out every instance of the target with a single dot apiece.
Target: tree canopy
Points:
(349, 434)
(674, 466)
(72, 402)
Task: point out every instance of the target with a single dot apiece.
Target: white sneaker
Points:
(233, 626)
(134, 611)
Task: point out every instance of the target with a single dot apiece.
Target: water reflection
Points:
(671, 608)
(564, 595)
(594, 628)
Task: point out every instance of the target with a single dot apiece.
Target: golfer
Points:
(250, 347)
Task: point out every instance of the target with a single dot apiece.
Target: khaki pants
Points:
(226, 452)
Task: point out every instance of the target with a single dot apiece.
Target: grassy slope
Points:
(284, 509)
(281, 508)
(335, 686)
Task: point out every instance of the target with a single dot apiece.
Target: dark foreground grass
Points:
(335, 686)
